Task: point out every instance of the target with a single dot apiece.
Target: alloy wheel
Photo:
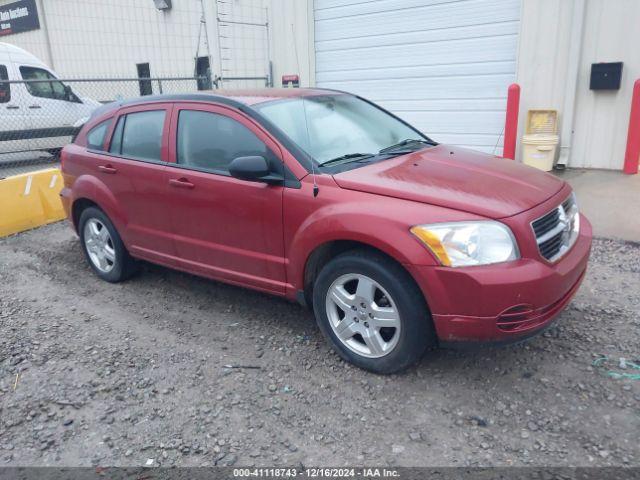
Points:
(99, 245)
(363, 315)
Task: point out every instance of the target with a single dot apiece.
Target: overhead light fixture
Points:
(163, 4)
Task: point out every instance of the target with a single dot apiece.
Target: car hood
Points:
(456, 178)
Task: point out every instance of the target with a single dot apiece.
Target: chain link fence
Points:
(39, 116)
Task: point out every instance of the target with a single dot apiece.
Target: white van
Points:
(39, 116)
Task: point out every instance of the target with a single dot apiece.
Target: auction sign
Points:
(18, 17)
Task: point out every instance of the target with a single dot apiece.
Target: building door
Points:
(443, 66)
(145, 85)
(203, 72)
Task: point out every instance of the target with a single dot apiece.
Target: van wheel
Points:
(103, 247)
(372, 312)
(54, 152)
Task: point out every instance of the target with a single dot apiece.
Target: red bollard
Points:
(511, 122)
(632, 155)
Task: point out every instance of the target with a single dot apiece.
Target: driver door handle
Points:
(13, 107)
(33, 107)
(181, 183)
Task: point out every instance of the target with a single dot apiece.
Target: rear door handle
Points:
(33, 107)
(181, 183)
(107, 169)
(13, 107)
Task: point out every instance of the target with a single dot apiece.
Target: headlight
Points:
(462, 244)
(573, 214)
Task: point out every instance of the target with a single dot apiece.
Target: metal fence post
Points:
(511, 122)
(632, 154)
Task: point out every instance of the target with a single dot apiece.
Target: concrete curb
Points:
(30, 200)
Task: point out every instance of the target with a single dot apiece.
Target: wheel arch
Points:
(78, 206)
(90, 191)
(327, 251)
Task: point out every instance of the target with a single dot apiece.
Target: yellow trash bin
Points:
(539, 150)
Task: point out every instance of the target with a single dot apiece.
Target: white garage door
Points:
(442, 65)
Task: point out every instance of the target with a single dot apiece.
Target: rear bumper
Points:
(502, 303)
(66, 200)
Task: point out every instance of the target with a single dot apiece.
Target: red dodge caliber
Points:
(396, 242)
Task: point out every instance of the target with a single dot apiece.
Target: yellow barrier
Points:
(30, 200)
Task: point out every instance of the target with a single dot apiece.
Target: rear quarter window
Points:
(96, 136)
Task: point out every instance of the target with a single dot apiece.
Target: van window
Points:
(5, 87)
(139, 135)
(209, 141)
(95, 137)
(54, 90)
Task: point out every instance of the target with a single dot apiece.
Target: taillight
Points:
(63, 156)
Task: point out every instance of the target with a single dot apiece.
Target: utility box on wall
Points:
(163, 4)
(605, 76)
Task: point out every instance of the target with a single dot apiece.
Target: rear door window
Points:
(5, 87)
(116, 138)
(138, 135)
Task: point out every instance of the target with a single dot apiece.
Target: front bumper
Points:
(505, 302)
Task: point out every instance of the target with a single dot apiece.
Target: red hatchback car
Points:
(398, 243)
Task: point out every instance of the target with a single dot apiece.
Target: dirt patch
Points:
(93, 373)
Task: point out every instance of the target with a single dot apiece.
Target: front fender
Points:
(374, 220)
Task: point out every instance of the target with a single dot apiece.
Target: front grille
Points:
(557, 230)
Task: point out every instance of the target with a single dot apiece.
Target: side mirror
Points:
(253, 169)
(68, 93)
(70, 96)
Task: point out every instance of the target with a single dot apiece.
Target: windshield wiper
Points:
(404, 143)
(349, 157)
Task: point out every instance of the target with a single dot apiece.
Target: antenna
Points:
(316, 189)
(295, 47)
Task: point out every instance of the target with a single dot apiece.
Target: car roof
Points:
(242, 99)
(262, 95)
(231, 97)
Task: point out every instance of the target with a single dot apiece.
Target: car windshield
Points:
(338, 127)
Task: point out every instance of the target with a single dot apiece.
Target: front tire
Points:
(103, 247)
(372, 312)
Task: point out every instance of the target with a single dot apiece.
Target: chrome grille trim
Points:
(554, 231)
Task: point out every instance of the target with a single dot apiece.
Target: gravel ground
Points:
(134, 374)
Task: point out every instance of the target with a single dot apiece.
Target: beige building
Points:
(559, 42)
(444, 66)
(113, 38)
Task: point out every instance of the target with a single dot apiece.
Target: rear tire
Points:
(103, 247)
(372, 312)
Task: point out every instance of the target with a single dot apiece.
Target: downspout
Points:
(311, 42)
(571, 86)
(47, 38)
